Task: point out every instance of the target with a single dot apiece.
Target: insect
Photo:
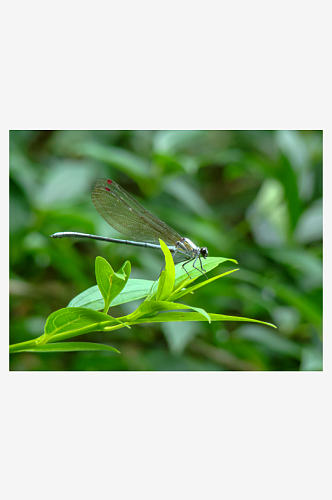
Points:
(121, 211)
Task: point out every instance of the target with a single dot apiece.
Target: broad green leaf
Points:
(167, 277)
(104, 273)
(70, 322)
(89, 299)
(209, 263)
(110, 283)
(120, 279)
(71, 347)
(92, 298)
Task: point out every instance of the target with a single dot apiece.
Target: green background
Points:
(255, 196)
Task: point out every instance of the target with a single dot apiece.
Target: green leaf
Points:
(104, 273)
(110, 283)
(70, 322)
(209, 263)
(92, 298)
(167, 277)
(193, 316)
(180, 292)
(89, 299)
(71, 347)
(151, 308)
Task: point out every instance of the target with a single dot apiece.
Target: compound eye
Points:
(204, 252)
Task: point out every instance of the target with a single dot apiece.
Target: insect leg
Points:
(201, 271)
(187, 262)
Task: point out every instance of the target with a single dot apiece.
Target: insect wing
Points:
(126, 215)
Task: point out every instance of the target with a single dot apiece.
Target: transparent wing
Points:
(126, 215)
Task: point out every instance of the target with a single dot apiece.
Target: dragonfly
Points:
(122, 212)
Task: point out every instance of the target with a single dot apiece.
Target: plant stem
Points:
(21, 346)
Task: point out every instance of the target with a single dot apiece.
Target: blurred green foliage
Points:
(255, 196)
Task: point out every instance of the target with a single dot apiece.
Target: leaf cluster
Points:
(83, 313)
